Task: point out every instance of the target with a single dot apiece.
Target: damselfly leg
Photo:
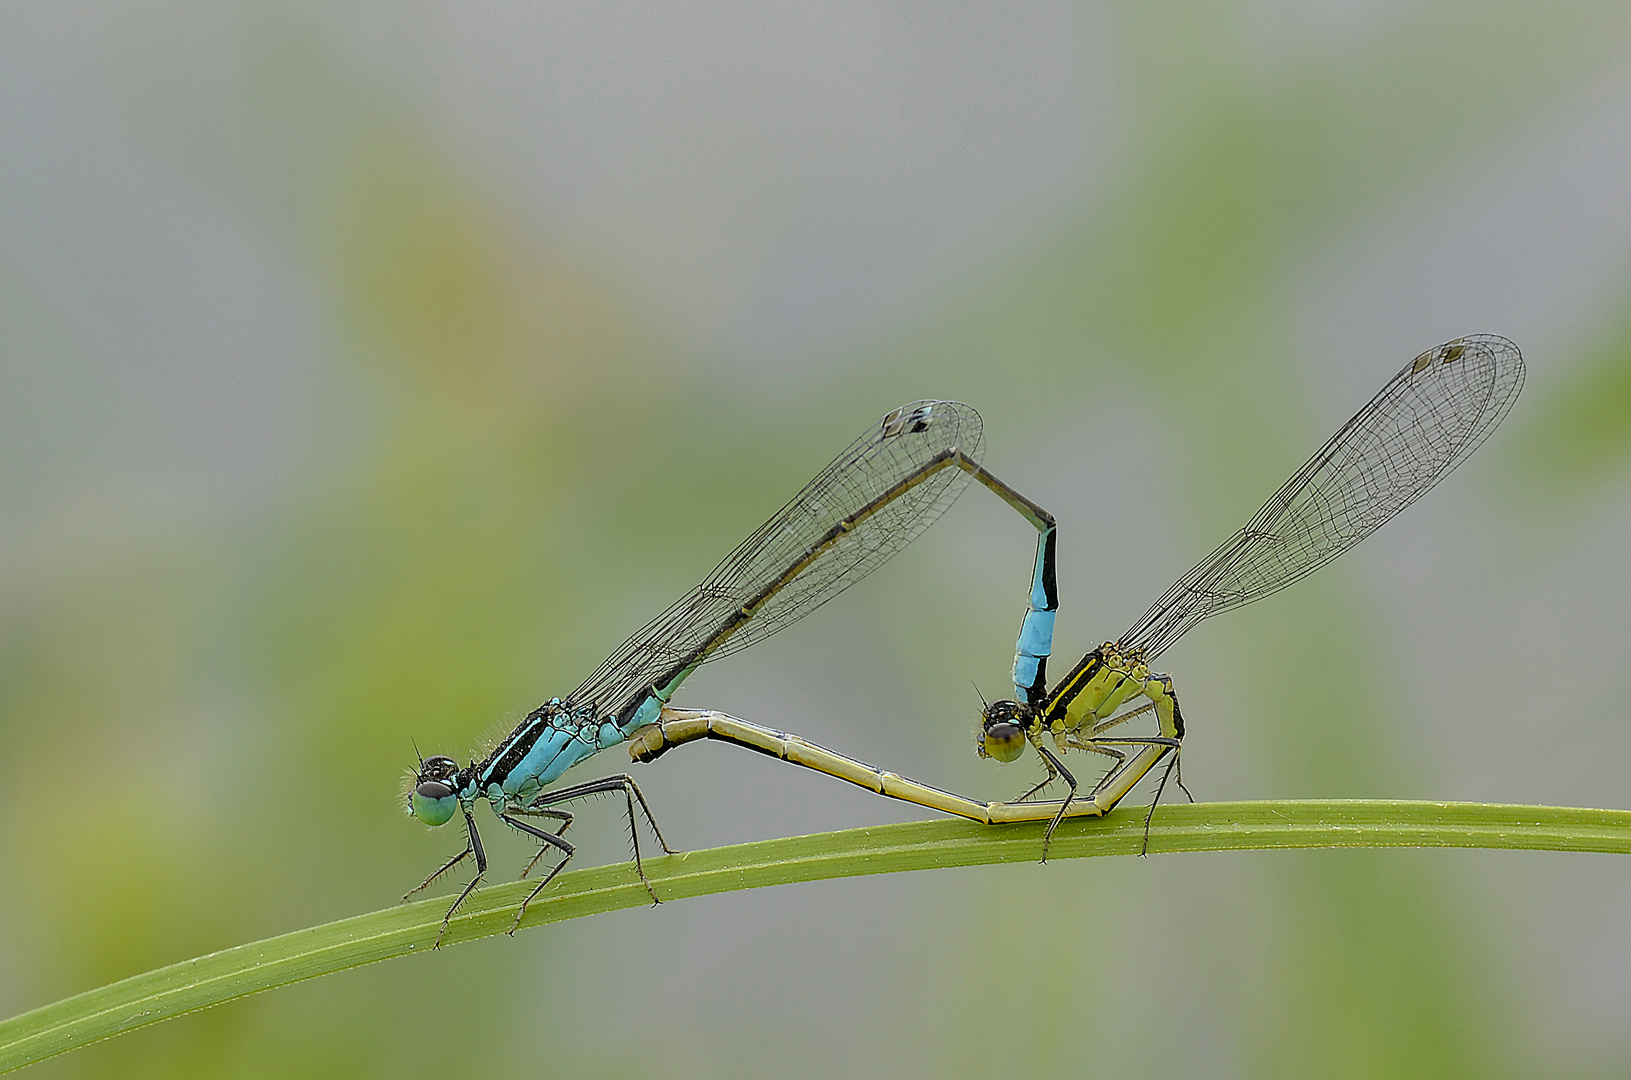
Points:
(632, 795)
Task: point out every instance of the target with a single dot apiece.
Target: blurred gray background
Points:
(369, 371)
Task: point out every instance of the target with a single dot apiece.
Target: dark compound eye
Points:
(433, 789)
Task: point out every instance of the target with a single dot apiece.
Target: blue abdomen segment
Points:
(647, 713)
(1036, 631)
(1031, 655)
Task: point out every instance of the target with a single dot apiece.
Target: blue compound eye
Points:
(434, 802)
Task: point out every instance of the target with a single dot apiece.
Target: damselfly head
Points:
(435, 797)
(1002, 730)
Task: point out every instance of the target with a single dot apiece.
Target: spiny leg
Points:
(600, 787)
(1092, 742)
(450, 864)
(1122, 719)
(548, 838)
(1047, 835)
(1121, 760)
(1048, 762)
(1144, 848)
(1176, 746)
(632, 795)
(1149, 740)
(563, 816)
(481, 872)
(1178, 757)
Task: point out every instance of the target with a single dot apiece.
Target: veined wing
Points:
(872, 500)
(1422, 424)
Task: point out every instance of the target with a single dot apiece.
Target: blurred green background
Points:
(369, 371)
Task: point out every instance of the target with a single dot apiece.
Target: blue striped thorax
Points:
(553, 738)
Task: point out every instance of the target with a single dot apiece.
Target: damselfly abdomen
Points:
(1434, 412)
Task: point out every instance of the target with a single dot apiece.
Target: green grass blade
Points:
(405, 929)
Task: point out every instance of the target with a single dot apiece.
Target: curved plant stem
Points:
(404, 929)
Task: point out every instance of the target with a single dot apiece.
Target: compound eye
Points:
(433, 802)
(1003, 741)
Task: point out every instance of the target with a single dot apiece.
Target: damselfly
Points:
(1418, 427)
(873, 499)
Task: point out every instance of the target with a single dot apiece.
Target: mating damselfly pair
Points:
(884, 489)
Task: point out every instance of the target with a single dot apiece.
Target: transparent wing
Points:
(1422, 424)
(872, 500)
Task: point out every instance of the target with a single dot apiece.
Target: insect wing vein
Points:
(871, 501)
(1407, 438)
